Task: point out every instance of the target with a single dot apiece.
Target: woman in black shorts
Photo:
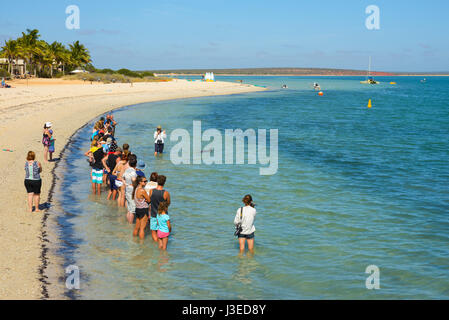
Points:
(142, 201)
(33, 181)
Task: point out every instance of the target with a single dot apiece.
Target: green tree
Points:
(79, 54)
(28, 48)
(10, 51)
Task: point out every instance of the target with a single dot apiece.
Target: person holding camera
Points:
(159, 137)
(244, 223)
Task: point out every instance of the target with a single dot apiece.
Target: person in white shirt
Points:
(245, 217)
(159, 138)
(129, 177)
(153, 182)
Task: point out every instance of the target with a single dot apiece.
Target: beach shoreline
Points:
(27, 266)
(305, 75)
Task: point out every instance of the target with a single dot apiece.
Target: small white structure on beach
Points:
(209, 76)
(79, 71)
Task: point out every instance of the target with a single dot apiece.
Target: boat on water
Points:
(369, 79)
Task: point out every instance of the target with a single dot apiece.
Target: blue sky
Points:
(235, 34)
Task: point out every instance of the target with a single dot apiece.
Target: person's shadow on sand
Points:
(54, 160)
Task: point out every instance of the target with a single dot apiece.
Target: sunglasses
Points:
(144, 181)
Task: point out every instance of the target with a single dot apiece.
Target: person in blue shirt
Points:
(163, 225)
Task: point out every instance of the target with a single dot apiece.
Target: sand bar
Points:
(68, 105)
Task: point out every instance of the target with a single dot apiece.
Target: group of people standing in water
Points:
(119, 169)
(146, 200)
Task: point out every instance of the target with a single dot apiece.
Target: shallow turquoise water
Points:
(355, 187)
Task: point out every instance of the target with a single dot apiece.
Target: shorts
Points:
(141, 212)
(97, 176)
(162, 235)
(131, 205)
(159, 148)
(112, 179)
(247, 236)
(33, 186)
(153, 223)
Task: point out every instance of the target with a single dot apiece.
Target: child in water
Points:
(163, 225)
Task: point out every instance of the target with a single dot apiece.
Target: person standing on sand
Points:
(46, 140)
(164, 225)
(141, 200)
(157, 196)
(245, 217)
(159, 137)
(33, 181)
(96, 152)
(129, 177)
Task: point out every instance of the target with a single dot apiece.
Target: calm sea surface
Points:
(355, 187)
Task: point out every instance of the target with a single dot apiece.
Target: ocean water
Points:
(354, 187)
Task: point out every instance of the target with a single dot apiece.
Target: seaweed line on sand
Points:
(44, 239)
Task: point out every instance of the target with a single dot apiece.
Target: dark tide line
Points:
(44, 236)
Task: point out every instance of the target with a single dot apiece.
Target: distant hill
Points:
(274, 71)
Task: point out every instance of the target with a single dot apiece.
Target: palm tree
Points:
(55, 52)
(44, 57)
(40, 57)
(28, 46)
(63, 56)
(10, 51)
(79, 54)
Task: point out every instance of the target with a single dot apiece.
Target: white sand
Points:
(23, 112)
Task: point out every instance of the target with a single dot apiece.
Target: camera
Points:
(238, 229)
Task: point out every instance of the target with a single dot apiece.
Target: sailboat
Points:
(369, 79)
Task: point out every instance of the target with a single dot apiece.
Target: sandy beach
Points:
(68, 105)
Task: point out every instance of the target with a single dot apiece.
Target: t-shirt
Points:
(113, 146)
(161, 136)
(162, 222)
(112, 161)
(98, 156)
(248, 215)
(93, 135)
(129, 175)
(150, 185)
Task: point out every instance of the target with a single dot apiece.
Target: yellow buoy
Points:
(369, 103)
(392, 82)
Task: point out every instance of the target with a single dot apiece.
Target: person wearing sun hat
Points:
(140, 167)
(47, 138)
(159, 137)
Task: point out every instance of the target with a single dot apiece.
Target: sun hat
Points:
(109, 140)
(158, 127)
(140, 164)
(48, 124)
